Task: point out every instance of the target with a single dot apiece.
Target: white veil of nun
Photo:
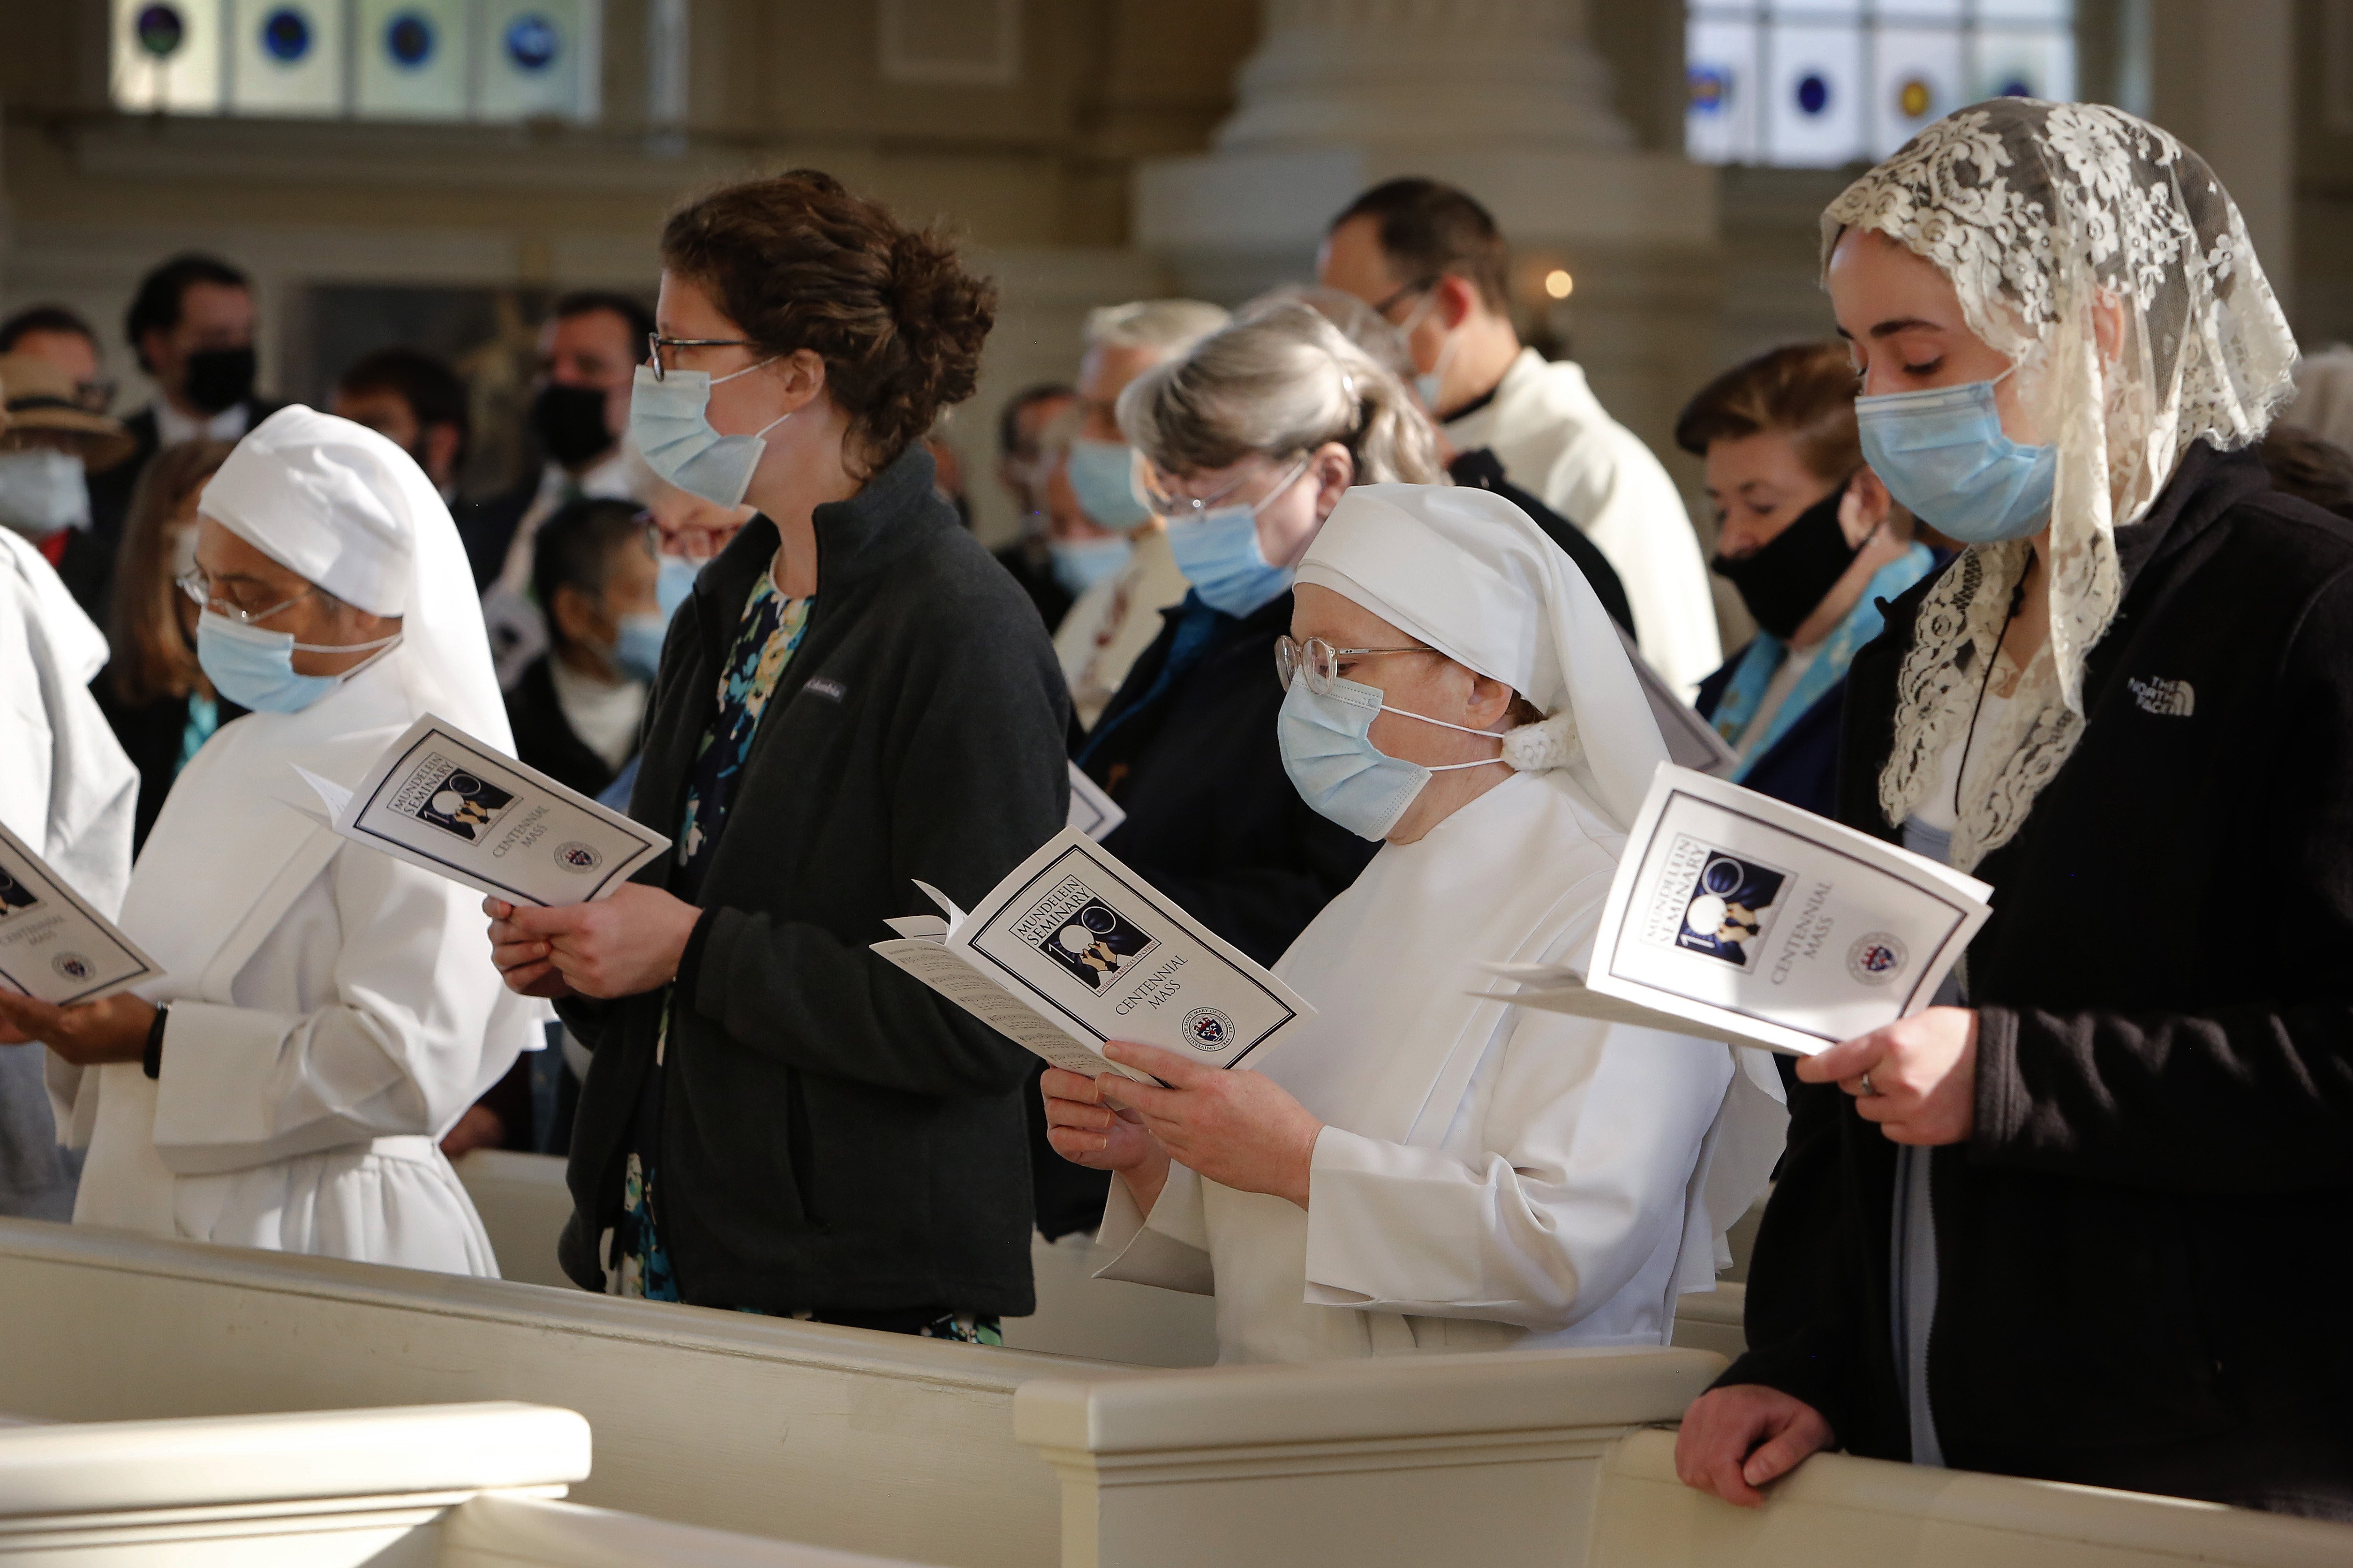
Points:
(1488, 1175)
(325, 1002)
(1471, 574)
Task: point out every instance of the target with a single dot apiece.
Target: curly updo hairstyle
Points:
(797, 262)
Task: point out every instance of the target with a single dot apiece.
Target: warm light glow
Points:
(1559, 283)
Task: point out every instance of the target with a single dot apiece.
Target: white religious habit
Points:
(1554, 437)
(1488, 1177)
(68, 791)
(332, 1011)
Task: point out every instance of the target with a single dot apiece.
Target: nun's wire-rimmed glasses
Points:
(656, 343)
(199, 587)
(1318, 662)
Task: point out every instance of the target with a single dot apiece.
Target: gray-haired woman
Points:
(1250, 440)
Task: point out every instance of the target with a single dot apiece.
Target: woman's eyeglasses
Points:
(199, 587)
(1318, 662)
(656, 343)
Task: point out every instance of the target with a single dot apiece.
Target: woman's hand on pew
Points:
(1238, 1128)
(1735, 1439)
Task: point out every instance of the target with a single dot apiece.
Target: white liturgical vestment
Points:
(1488, 1175)
(1554, 437)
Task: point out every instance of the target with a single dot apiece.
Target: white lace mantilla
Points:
(2054, 220)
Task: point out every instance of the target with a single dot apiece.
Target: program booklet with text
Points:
(53, 946)
(440, 799)
(1072, 950)
(1740, 918)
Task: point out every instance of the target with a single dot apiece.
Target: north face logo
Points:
(2165, 699)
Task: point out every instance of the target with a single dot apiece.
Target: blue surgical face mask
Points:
(1428, 383)
(669, 422)
(1102, 476)
(1219, 553)
(1942, 455)
(43, 490)
(675, 584)
(1327, 750)
(638, 649)
(255, 669)
(1081, 563)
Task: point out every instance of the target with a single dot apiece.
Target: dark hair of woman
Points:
(154, 658)
(797, 262)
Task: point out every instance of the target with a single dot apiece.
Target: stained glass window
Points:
(1817, 83)
(369, 59)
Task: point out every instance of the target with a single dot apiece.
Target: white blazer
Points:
(1554, 437)
(334, 1013)
(1488, 1177)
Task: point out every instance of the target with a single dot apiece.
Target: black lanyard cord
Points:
(2016, 602)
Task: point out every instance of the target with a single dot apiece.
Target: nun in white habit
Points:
(325, 1014)
(1422, 1168)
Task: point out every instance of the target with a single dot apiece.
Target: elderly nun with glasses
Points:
(1427, 1167)
(325, 1013)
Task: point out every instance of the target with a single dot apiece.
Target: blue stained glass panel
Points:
(1814, 99)
(412, 59)
(1719, 89)
(1919, 75)
(286, 58)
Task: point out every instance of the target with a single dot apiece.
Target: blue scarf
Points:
(1764, 653)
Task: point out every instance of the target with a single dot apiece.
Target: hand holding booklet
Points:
(440, 799)
(1072, 950)
(54, 947)
(1740, 918)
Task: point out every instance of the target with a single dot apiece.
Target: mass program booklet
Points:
(441, 799)
(1072, 950)
(1736, 917)
(1092, 812)
(53, 946)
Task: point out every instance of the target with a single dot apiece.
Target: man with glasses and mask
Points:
(52, 450)
(191, 327)
(1431, 261)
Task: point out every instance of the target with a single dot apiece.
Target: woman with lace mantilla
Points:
(2060, 1229)
(1425, 1166)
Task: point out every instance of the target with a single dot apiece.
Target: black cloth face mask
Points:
(570, 423)
(1782, 581)
(219, 379)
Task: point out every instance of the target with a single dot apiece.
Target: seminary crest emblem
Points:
(447, 796)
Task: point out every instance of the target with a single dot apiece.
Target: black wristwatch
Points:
(150, 1061)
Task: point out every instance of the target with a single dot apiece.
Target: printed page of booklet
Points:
(1072, 950)
(1092, 812)
(54, 947)
(440, 799)
(1740, 918)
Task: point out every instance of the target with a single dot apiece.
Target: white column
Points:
(1505, 99)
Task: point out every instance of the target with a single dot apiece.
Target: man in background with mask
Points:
(191, 327)
(1117, 618)
(588, 350)
(1433, 261)
(48, 453)
(68, 792)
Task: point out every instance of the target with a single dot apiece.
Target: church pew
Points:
(512, 1532)
(835, 1437)
(523, 1205)
(1478, 1458)
(329, 1490)
(1834, 1511)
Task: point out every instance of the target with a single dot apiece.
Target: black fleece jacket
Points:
(834, 1136)
(2135, 1242)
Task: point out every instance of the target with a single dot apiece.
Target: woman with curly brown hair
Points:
(856, 696)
